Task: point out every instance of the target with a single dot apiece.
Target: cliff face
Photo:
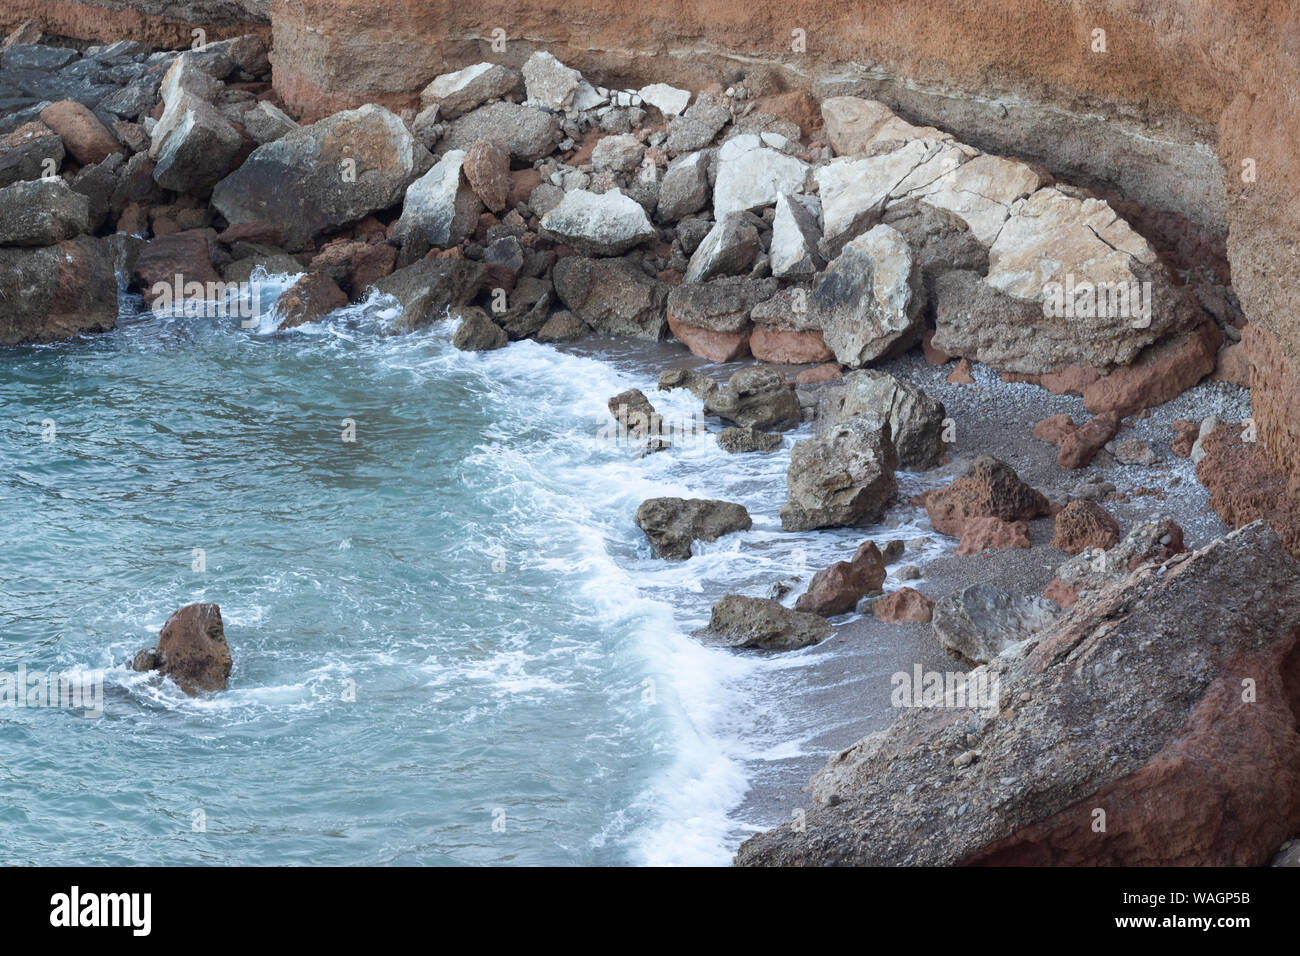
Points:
(1183, 94)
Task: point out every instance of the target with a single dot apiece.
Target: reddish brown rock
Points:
(1185, 434)
(86, 139)
(487, 168)
(262, 233)
(522, 184)
(183, 254)
(309, 299)
(788, 348)
(1162, 372)
(822, 373)
(992, 534)
(1063, 594)
(839, 588)
(993, 490)
(1055, 429)
(1233, 365)
(1084, 524)
(706, 343)
(868, 556)
(933, 355)
(962, 374)
(1245, 485)
(905, 604)
(191, 650)
(1080, 446)
(355, 265)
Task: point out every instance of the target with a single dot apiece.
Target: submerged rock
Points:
(738, 440)
(191, 650)
(673, 524)
(763, 624)
(756, 397)
(478, 333)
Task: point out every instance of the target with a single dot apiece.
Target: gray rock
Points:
(730, 248)
(27, 152)
(613, 296)
(976, 624)
(266, 123)
(32, 56)
(607, 224)
(41, 212)
(751, 176)
(440, 208)
(796, 231)
(763, 624)
(685, 187)
(527, 132)
(191, 74)
(618, 154)
(193, 146)
(841, 477)
(756, 397)
(915, 419)
(549, 82)
(464, 90)
(697, 383)
(428, 289)
(697, 127)
(673, 524)
(562, 327)
(720, 305)
(478, 333)
(692, 232)
(739, 440)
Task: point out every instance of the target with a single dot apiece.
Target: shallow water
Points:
(526, 690)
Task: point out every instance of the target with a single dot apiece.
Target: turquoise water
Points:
(525, 691)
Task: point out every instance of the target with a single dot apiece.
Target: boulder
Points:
(673, 524)
(193, 146)
(265, 123)
(697, 127)
(618, 154)
(41, 212)
(729, 249)
(757, 397)
(796, 232)
(710, 344)
(905, 604)
(696, 382)
(319, 178)
(868, 299)
(1080, 446)
(1084, 524)
(684, 188)
(190, 73)
(1160, 373)
(562, 327)
(1094, 568)
(85, 138)
(187, 255)
(528, 133)
(57, 291)
(428, 289)
(191, 650)
(736, 440)
(440, 208)
(719, 305)
(550, 84)
(636, 415)
(309, 299)
(487, 167)
(916, 421)
(478, 333)
(668, 100)
(613, 296)
(854, 191)
(29, 152)
(991, 534)
(843, 476)
(763, 624)
(992, 490)
(838, 588)
(788, 348)
(977, 623)
(464, 90)
(750, 175)
(1244, 481)
(605, 224)
(1055, 429)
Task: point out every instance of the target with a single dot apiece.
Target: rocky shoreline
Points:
(1075, 406)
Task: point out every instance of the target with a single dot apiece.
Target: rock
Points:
(1055, 429)
(1233, 365)
(440, 208)
(1133, 451)
(838, 588)
(464, 90)
(309, 299)
(905, 604)
(1208, 425)
(607, 224)
(709, 344)
(684, 188)
(763, 624)
(915, 419)
(1133, 706)
(697, 383)
(854, 191)
(529, 133)
(796, 231)
(992, 534)
(1185, 435)
(321, 177)
(613, 296)
(549, 82)
(41, 212)
(85, 138)
(184, 254)
(1084, 524)
(428, 289)
(193, 146)
(666, 99)
(674, 524)
(975, 320)
(976, 624)
(266, 123)
(636, 416)
(751, 176)
(1160, 373)
(993, 490)
(867, 299)
(719, 305)
(618, 154)
(1094, 568)
(1080, 446)
(27, 33)
(562, 327)
(191, 650)
(57, 291)
(841, 477)
(819, 375)
(756, 397)
(908, 572)
(189, 73)
(981, 192)
(854, 125)
(1288, 854)
(737, 440)
(788, 348)
(962, 374)
(697, 126)
(1244, 482)
(729, 249)
(478, 333)
(29, 152)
